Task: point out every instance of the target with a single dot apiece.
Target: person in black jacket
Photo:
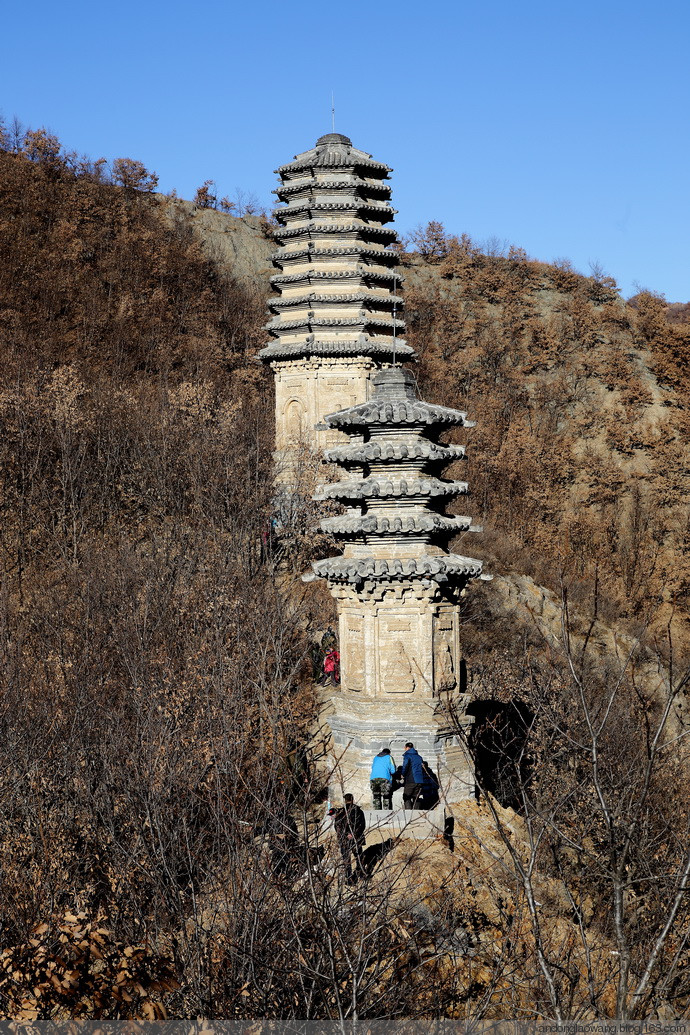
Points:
(350, 825)
(429, 797)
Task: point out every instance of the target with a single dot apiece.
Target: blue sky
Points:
(559, 127)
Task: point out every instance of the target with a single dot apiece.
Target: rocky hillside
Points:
(159, 849)
(579, 462)
(239, 245)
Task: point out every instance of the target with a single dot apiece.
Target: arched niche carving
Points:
(294, 421)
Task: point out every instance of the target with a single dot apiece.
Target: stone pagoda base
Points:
(360, 727)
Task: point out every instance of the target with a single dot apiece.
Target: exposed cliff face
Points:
(240, 245)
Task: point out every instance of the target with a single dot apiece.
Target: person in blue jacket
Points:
(412, 776)
(381, 780)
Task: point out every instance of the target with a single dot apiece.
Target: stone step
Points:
(416, 823)
(419, 823)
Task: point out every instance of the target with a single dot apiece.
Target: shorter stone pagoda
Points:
(397, 587)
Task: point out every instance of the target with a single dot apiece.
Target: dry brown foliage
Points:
(155, 706)
(151, 669)
(579, 461)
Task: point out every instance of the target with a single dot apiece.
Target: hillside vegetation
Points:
(135, 464)
(579, 465)
(160, 789)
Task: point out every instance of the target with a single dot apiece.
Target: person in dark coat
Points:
(316, 656)
(412, 775)
(350, 824)
(428, 799)
(329, 640)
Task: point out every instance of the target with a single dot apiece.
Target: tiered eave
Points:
(338, 285)
(395, 527)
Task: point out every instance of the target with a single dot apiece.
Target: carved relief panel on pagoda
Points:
(398, 643)
(446, 649)
(398, 656)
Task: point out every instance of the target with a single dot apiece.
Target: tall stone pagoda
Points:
(335, 315)
(396, 585)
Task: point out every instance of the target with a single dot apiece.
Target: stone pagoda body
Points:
(335, 315)
(397, 587)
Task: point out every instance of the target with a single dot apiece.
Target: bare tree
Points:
(604, 828)
(130, 173)
(206, 195)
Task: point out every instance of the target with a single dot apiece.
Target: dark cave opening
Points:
(498, 740)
